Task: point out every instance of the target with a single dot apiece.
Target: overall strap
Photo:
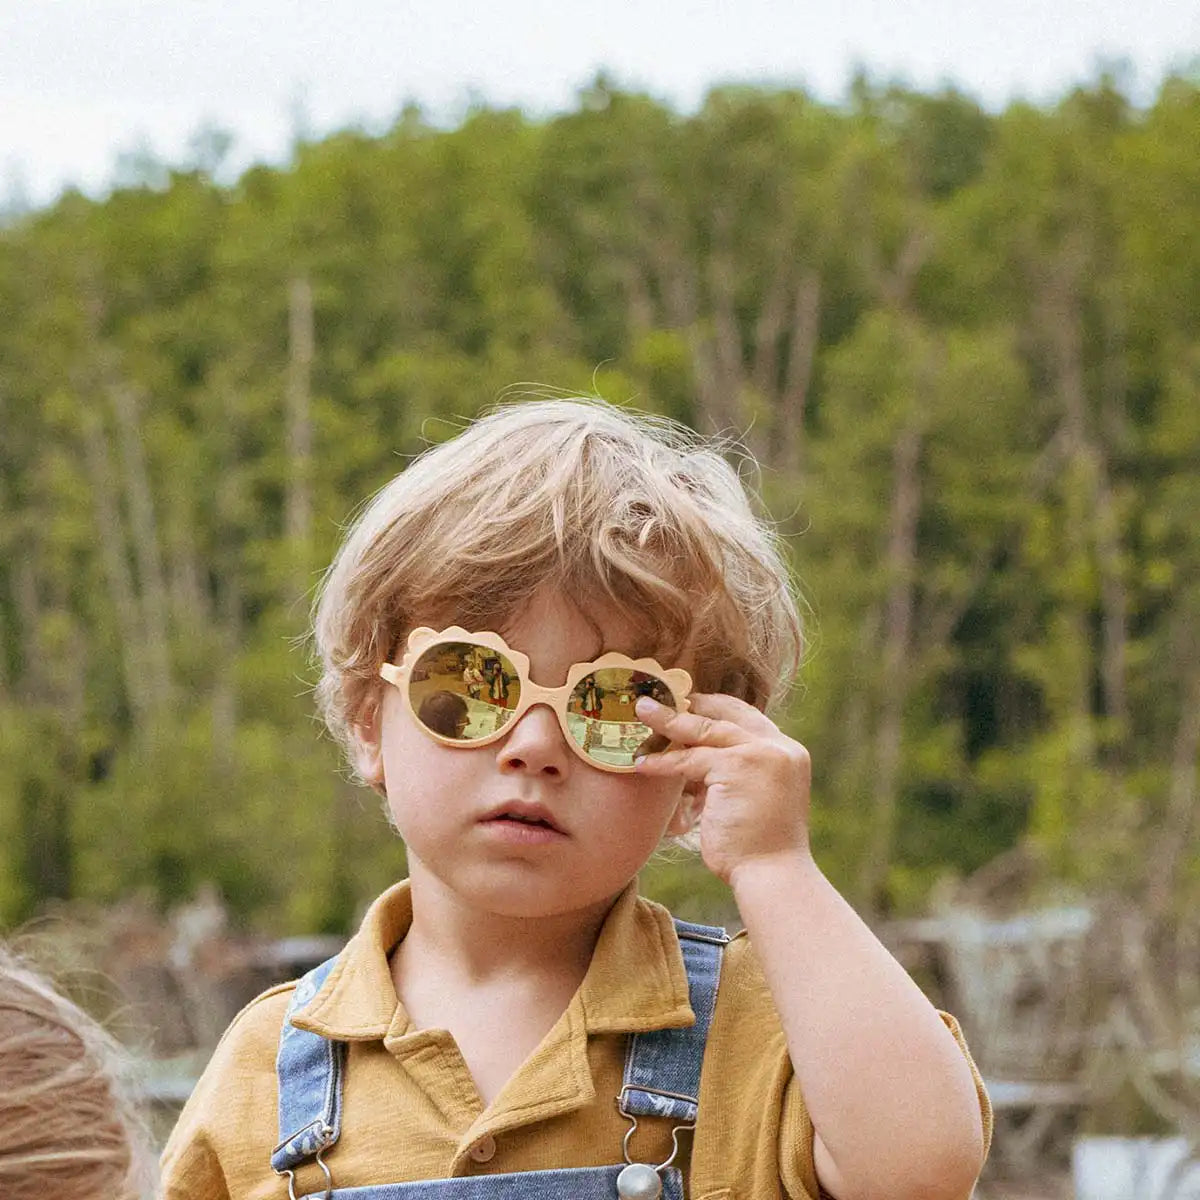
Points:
(309, 1068)
(662, 1067)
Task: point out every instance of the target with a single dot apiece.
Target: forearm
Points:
(891, 1095)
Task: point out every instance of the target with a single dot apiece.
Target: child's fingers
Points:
(692, 764)
(689, 728)
(730, 708)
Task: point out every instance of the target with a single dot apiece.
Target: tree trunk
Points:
(676, 280)
(901, 572)
(45, 819)
(1064, 320)
(802, 354)
(1114, 604)
(726, 344)
(225, 694)
(772, 320)
(1177, 832)
(298, 519)
(156, 644)
(53, 699)
(32, 671)
(1114, 598)
(191, 607)
(637, 299)
(12, 564)
(115, 564)
(228, 600)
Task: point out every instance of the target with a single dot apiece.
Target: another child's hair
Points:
(605, 504)
(445, 713)
(67, 1128)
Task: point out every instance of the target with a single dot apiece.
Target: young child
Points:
(513, 1020)
(67, 1131)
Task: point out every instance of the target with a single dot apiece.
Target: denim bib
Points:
(661, 1079)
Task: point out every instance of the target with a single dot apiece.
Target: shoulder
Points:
(247, 1048)
(745, 1020)
(751, 1106)
(746, 1055)
(259, 1023)
(235, 1096)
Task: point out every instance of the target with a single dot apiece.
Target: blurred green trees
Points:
(965, 348)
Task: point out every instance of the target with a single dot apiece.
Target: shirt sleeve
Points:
(221, 1145)
(190, 1167)
(751, 1107)
(985, 1101)
(755, 1129)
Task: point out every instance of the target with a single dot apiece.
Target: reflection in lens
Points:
(602, 719)
(456, 680)
(444, 713)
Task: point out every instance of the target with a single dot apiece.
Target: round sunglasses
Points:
(466, 689)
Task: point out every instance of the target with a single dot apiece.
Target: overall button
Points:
(484, 1150)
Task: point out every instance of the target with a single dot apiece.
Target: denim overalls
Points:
(662, 1079)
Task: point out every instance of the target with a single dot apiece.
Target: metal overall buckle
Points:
(638, 1180)
(326, 1133)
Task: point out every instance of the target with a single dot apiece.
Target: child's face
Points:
(585, 832)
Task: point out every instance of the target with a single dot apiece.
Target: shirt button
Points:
(484, 1150)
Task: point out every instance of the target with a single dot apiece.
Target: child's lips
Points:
(523, 821)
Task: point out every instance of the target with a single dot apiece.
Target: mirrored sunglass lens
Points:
(602, 720)
(463, 691)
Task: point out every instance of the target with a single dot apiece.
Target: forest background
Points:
(964, 346)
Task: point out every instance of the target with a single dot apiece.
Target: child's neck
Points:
(497, 983)
(477, 946)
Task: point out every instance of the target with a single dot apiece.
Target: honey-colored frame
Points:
(678, 681)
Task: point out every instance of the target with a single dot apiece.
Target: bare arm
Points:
(890, 1093)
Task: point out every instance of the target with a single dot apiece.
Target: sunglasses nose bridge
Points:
(536, 736)
(552, 697)
(556, 699)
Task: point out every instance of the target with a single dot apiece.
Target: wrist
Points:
(766, 874)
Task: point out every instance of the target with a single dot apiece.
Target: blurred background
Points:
(939, 274)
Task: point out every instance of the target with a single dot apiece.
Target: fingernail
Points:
(647, 705)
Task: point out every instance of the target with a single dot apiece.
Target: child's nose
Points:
(535, 744)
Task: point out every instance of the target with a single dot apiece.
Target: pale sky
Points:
(82, 81)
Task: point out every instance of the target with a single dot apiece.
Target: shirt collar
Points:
(636, 980)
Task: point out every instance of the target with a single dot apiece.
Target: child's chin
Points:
(542, 900)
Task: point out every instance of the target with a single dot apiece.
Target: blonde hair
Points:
(597, 501)
(68, 1128)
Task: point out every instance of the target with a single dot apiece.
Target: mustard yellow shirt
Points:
(411, 1110)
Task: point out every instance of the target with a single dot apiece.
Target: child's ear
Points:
(687, 812)
(367, 747)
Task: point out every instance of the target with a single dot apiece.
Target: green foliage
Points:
(962, 345)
